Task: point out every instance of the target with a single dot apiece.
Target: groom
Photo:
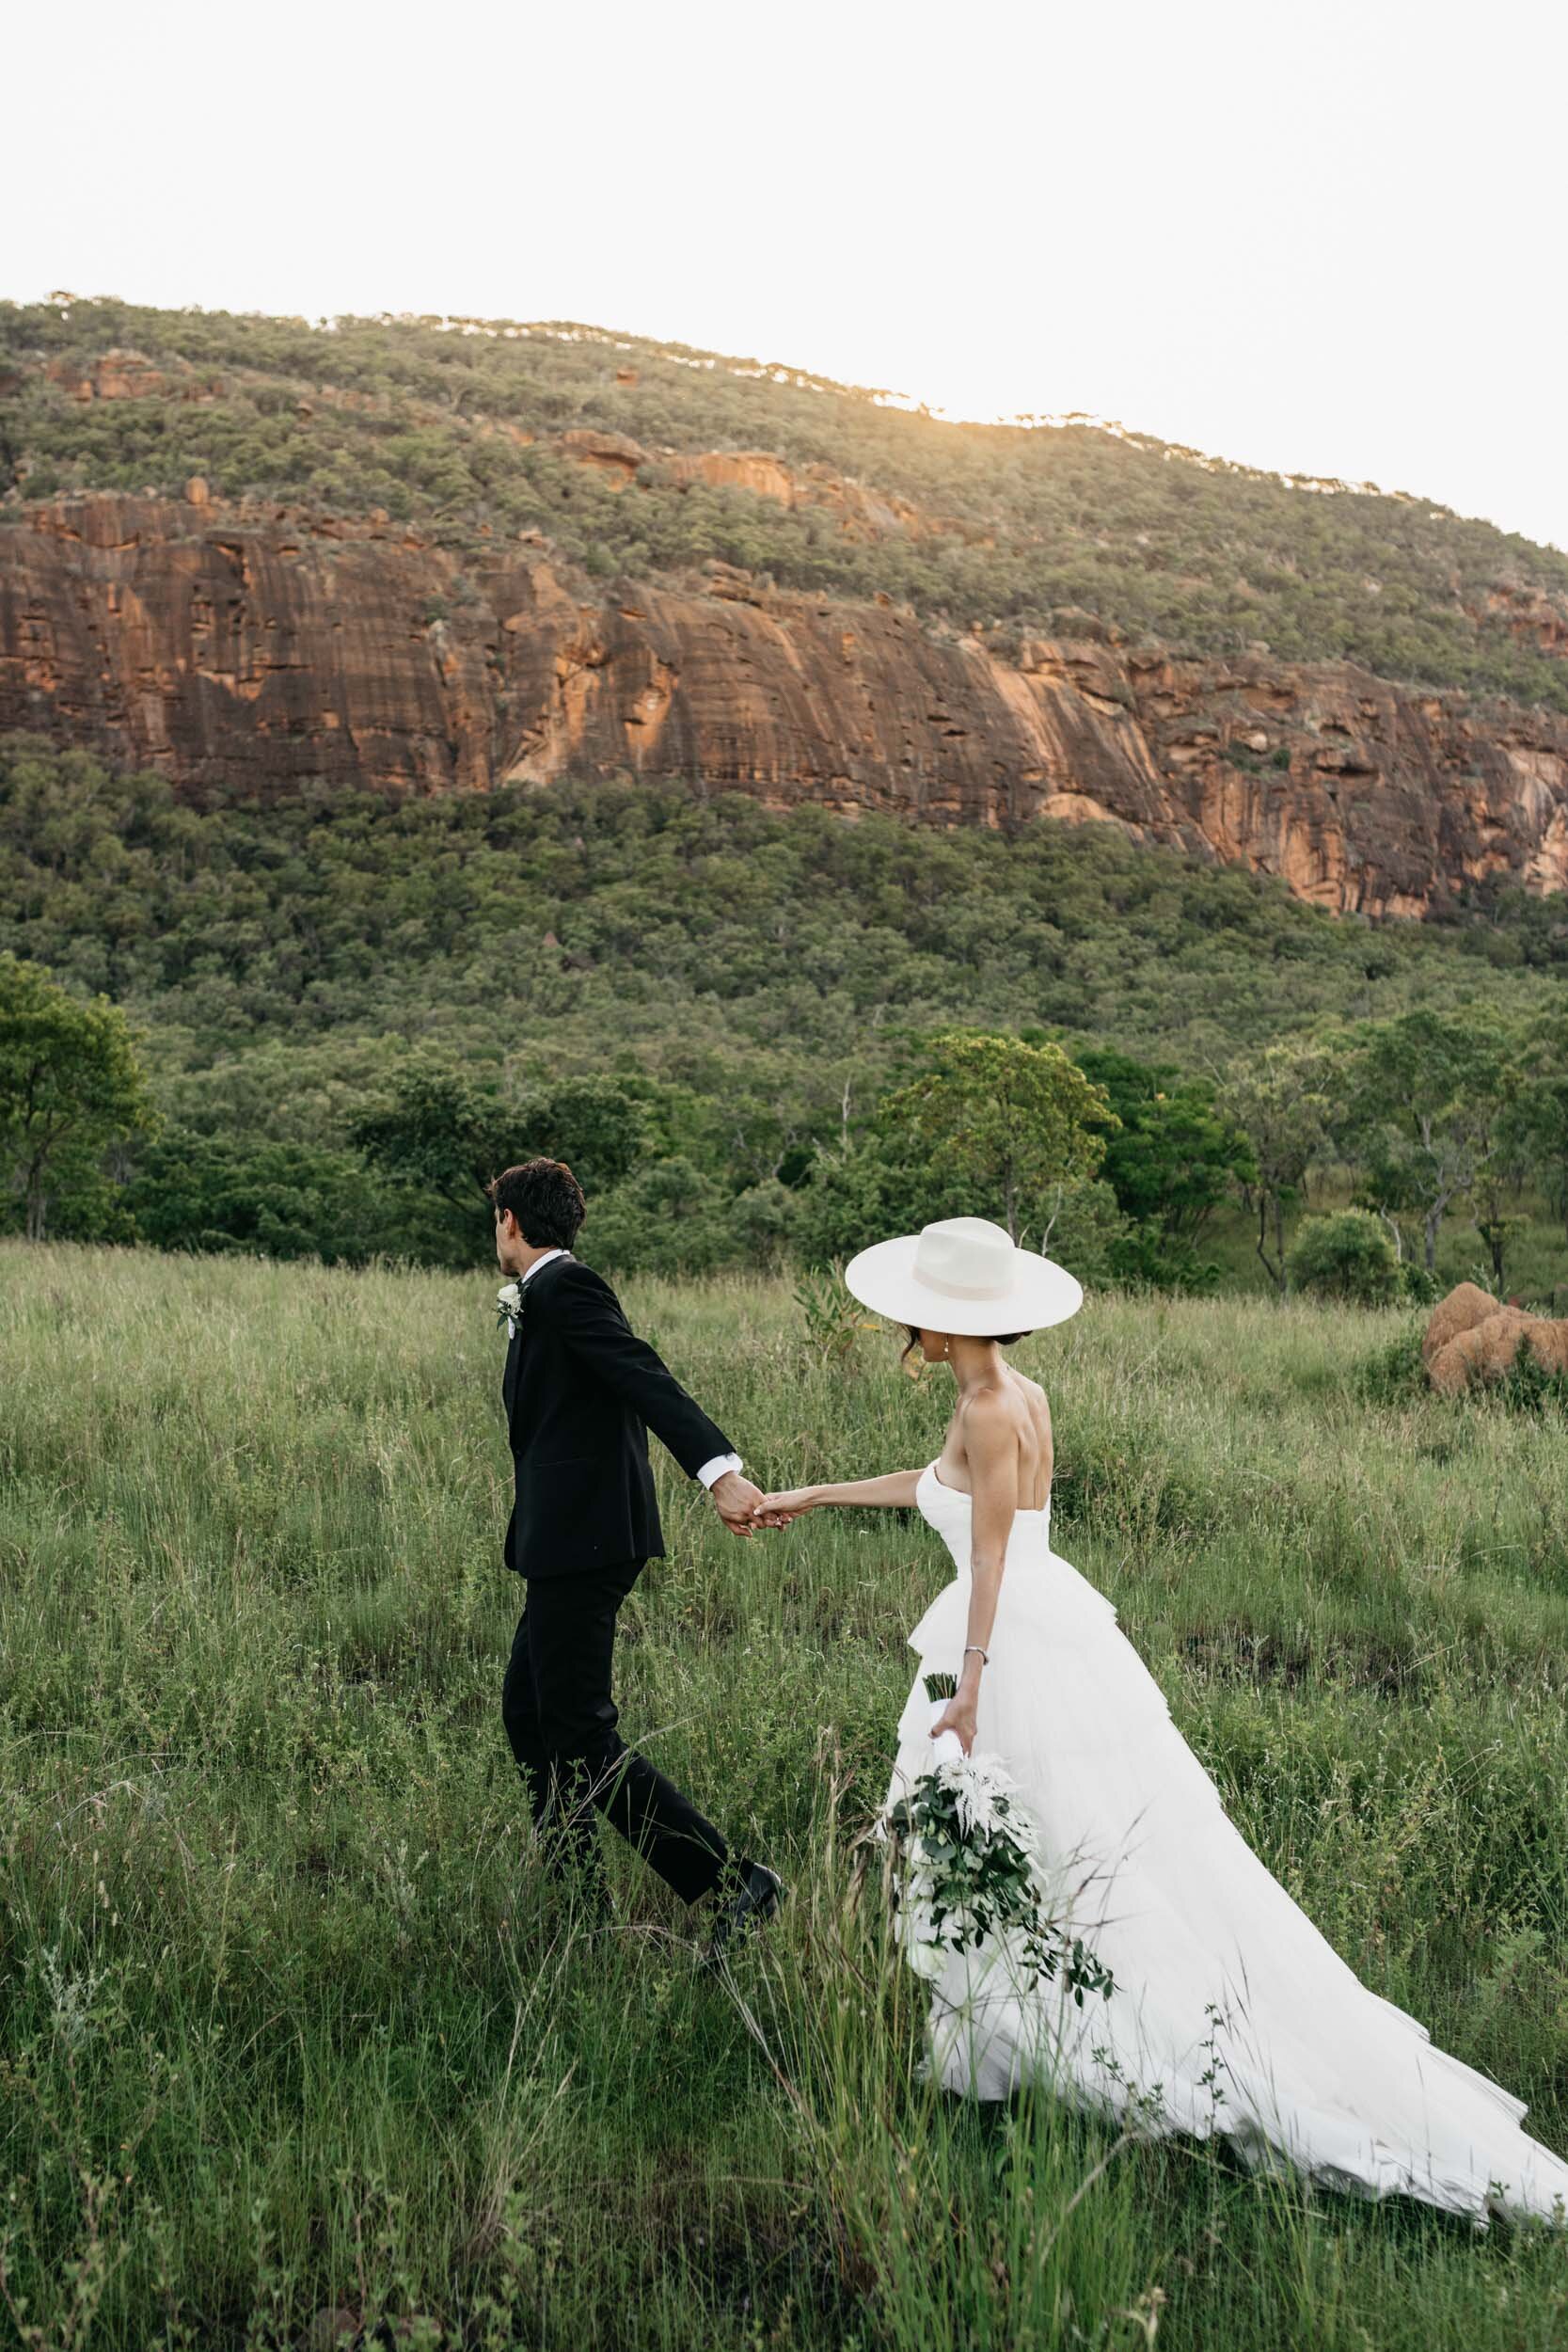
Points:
(581, 1391)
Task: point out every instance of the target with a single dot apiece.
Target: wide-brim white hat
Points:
(964, 1275)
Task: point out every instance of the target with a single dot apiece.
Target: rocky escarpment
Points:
(250, 647)
(860, 512)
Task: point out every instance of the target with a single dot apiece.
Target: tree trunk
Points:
(1276, 1271)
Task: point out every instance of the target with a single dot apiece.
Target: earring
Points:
(947, 1343)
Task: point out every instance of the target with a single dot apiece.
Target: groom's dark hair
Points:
(544, 1197)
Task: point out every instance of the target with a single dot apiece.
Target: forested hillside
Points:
(481, 429)
(589, 905)
(349, 1010)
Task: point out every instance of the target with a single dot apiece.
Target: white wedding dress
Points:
(1231, 2014)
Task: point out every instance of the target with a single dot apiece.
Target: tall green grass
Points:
(294, 2037)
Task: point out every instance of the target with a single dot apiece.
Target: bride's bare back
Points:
(1026, 1412)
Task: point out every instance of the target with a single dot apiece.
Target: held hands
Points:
(742, 1507)
(777, 1510)
(733, 1499)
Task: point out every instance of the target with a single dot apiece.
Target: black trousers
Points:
(561, 1722)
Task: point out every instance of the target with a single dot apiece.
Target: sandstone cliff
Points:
(254, 646)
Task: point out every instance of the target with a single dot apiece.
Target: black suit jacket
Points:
(581, 1391)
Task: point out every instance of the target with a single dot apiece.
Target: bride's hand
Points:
(958, 1716)
(778, 1510)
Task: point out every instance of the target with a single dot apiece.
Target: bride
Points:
(1229, 2013)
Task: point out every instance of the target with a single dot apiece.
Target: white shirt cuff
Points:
(716, 1469)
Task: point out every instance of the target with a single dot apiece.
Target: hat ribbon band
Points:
(962, 1290)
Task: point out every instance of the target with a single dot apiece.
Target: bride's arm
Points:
(991, 1442)
(895, 1492)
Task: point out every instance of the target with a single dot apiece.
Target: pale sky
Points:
(1324, 238)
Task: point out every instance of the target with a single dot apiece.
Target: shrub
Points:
(759, 1226)
(224, 1193)
(667, 1218)
(1394, 1373)
(1528, 1387)
(1349, 1256)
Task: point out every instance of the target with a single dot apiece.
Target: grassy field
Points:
(295, 2040)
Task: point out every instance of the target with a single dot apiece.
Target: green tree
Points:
(1172, 1152)
(1280, 1100)
(667, 1218)
(1502, 1167)
(865, 1187)
(70, 1086)
(435, 1131)
(598, 1126)
(1424, 1109)
(760, 1225)
(1086, 1230)
(228, 1193)
(1006, 1119)
(1539, 1118)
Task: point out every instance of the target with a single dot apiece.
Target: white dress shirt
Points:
(710, 1471)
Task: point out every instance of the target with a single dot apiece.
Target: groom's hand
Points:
(778, 1510)
(735, 1499)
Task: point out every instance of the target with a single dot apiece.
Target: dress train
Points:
(1232, 2014)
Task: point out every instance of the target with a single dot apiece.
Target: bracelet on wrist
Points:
(973, 1650)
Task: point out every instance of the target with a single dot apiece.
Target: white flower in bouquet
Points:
(972, 1876)
(981, 1788)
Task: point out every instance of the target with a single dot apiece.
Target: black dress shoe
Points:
(748, 1895)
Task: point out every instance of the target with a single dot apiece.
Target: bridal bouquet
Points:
(973, 1875)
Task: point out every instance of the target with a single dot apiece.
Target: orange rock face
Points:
(862, 514)
(121, 374)
(224, 653)
(256, 645)
(1531, 613)
(615, 455)
(1471, 1337)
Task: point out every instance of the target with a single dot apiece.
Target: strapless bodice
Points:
(1044, 1605)
(949, 1510)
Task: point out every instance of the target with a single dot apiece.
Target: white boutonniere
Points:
(508, 1307)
